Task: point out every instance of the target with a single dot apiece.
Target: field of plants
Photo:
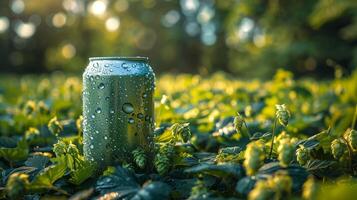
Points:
(216, 138)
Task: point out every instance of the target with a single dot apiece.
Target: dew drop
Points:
(125, 66)
(91, 137)
(145, 95)
(91, 146)
(140, 115)
(105, 137)
(128, 108)
(98, 110)
(92, 116)
(107, 98)
(131, 121)
(101, 86)
(112, 111)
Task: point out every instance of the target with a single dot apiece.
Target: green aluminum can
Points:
(118, 108)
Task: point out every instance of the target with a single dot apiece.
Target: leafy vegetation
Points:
(215, 138)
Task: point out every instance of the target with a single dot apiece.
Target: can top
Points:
(129, 58)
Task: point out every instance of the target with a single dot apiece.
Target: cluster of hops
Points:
(275, 187)
(55, 126)
(282, 114)
(286, 152)
(139, 157)
(302, 155)
(68, 151)
(42, 108)
(79, 124)
(310, 189)
(29, 108)
(352, 139)
(338, 148)
(261, 191)
(162, 161)
(16, 185)
(181, 131)
(254, 157)
(60, 148)
(238, 122)
(31, 133)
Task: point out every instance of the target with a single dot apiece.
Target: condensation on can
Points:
(118, 108)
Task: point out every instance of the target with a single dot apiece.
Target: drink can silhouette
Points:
(118, 108)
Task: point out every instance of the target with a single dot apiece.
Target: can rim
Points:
(128, 58)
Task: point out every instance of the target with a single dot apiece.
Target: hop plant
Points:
(182, 131)
(338, 148)
(352, 139)
(55, 126)
(139, 157)
(163, 157)
(29, 107)
(72, 150)
(79, 124)
(42, 107)
(162, 163)
(281, 183)
(60, 148)
(261, 191)
(310, 189)
(282, 114)
(302, 155)
(238, 122)
(31, 133)
(254, 157)
(199, 190)
(286, 152)
(16, 185)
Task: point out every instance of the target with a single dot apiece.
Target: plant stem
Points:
(349, 153)
(354, 119)
(272, 138)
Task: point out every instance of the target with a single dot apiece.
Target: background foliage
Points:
(246, 37)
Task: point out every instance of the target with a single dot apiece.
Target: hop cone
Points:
(282, 114)
(261, 191)
(16, 185)
(182, 131)
(281, 182)
(238, 122)
(31, 133)
(30, 107)
(254, 157)
(163, 157)
(60, 148)
(338, 148)
(286, 152)
(162, 163)
(79, 124)
(310, 189)
(55, 126)
(352, 139)
(302, 155)
(72, 150)
(139, 157)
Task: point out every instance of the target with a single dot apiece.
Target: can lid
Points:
(130, 58)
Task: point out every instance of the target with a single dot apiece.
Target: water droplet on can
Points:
(98, 110)
(101, 86)
(91, 146)
(131, 121)
(128, 108)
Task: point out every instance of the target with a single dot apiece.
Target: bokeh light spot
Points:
(25, 30)
(17, 6)
(98, 7)
(170, 18)
(112, 24)
(4, 24)
(59, 20)
(68, 51)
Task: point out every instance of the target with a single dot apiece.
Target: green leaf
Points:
(48, 176)
(153, 190)
(222, 170)
(82, 173)
(19, 153)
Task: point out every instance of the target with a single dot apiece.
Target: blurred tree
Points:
(250, 38)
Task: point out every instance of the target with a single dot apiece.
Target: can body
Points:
(118, 108)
